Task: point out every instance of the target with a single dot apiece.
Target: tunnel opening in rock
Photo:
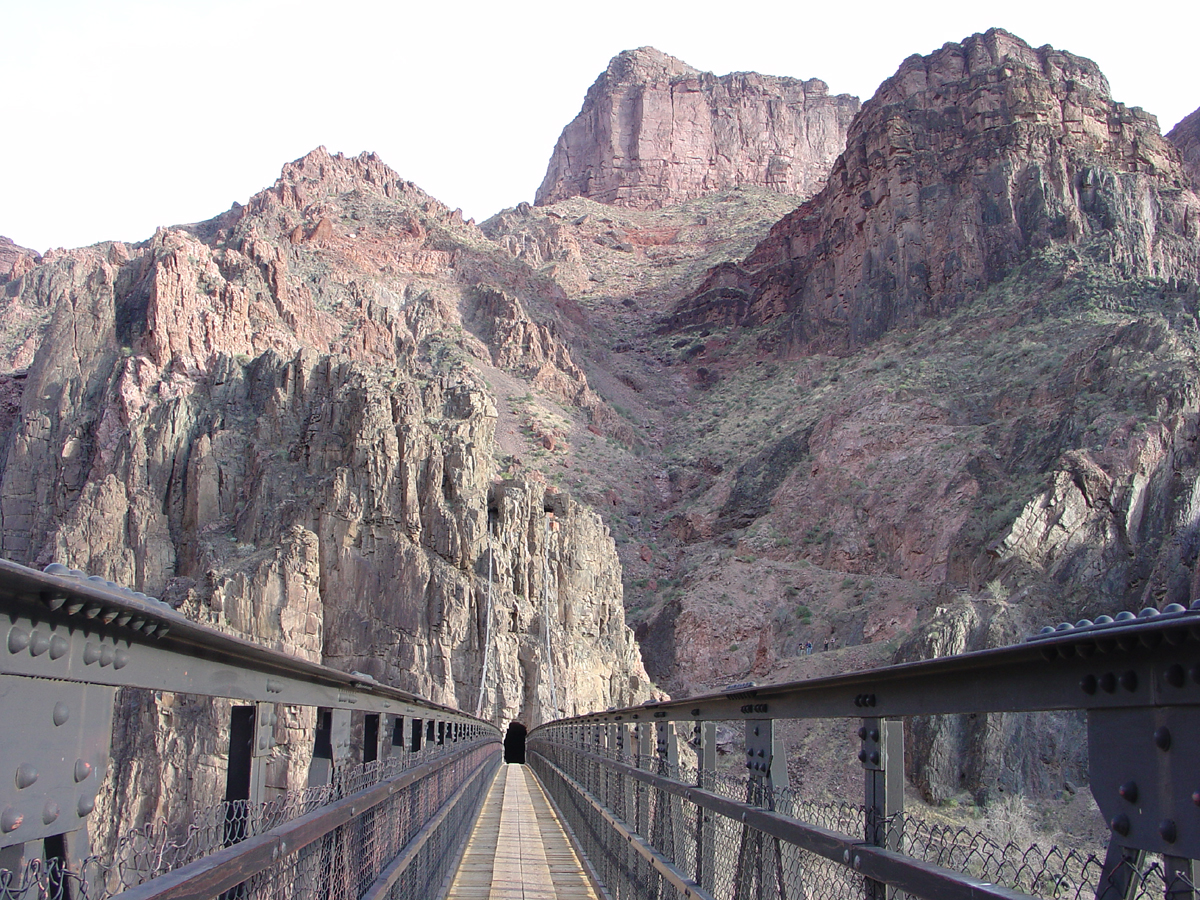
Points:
(514, 743)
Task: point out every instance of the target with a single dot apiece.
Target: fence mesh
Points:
(341, 864)
(730, 859)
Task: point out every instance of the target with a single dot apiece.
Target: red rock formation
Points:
(962, 163)
(15, 261)
(1186, 136)
(654, 131)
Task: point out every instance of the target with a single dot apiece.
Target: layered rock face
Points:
(653, 131)
(962, 163)
(278, 421)
(1186, 136)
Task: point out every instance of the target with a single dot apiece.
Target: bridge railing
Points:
(394, 784)
(656, 819)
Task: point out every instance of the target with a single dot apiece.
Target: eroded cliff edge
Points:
(279, 421)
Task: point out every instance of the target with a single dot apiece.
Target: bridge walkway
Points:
(518, 849)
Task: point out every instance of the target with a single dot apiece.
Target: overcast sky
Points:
(123, 115)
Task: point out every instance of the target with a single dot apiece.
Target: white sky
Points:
(120, 115)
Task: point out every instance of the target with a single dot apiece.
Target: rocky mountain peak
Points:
(642, 65)
(653, 132)
(963, 163)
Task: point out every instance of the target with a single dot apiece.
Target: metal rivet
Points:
(846, 856)
(50, 812)
(862, 756)
(862, 732)
(1129, 791)
(107, 653)
(26, 775)
(86, 804)
(123, 618)
(91, 653)
(61, 713)
(59, 646)
(1120, 824)
(39, 643)
(1162, 738)
(1196, 797)
(18, 639)
(137, 623)
(54, 601)
(120, 659)
(874, 757)
(858, 862)
(1088, 683)
(1176, 676)
(1129, 680)
(695, 712)
(10, 820)
(875, 735)
(1108, 682)
(92, 610)
(1167, 829)
(82, 770)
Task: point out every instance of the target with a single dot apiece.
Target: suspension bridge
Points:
(410, 799)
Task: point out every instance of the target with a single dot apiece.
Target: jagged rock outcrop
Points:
(653, 131)
(986, 755)
(962, 163)
(277, 421)
(15, 261)
(1186, 136)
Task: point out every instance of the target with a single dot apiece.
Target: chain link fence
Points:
(613, 813)
(341, 864)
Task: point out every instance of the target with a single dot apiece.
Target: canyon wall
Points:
(653, 131)
(277, 421)
(962, 163)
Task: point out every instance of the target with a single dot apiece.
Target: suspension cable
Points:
(487, 632)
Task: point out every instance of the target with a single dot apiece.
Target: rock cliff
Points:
(653, 131)
(1186, 136)
(962, 163)
(279, 421)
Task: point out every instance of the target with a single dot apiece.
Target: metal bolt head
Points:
(27, 774)
(1129, 791)
(846, 856)
(858, 862)
(1120, 824)
(10, 820)
(1168, 831)
(1129, 680)
(18, 639)
(1088, 684)
(1176, 676)
(862, 732)
(1162, 738)
(874, 757)
(82, 770)
(1108, 682)
(50, 812)
(61, 713)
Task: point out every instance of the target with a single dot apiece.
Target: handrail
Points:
(227, 868)
(1047, 672)
(137, 642)
(1137, 679)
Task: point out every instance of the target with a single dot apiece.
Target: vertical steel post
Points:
(705, 826)
(260, 752)
(882, 756)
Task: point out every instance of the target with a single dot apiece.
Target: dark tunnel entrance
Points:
(514, 743)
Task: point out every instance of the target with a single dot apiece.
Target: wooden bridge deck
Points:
(518, 850)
